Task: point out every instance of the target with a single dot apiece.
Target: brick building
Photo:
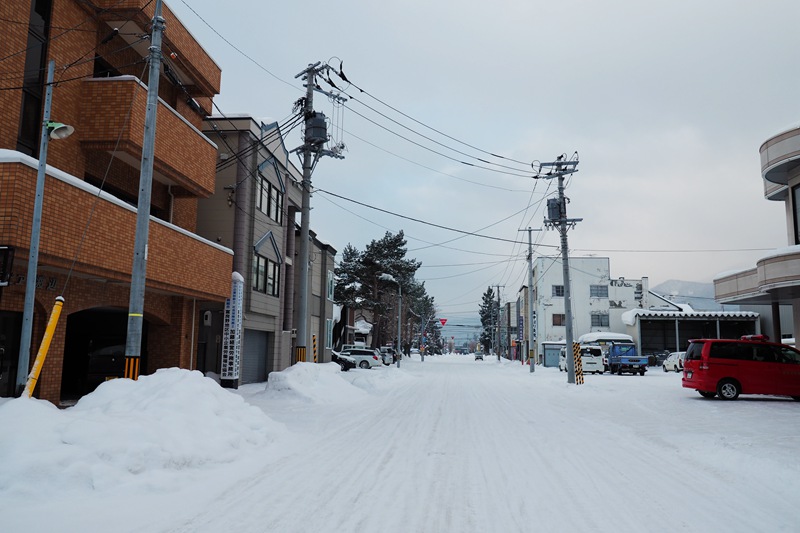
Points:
(87, 235)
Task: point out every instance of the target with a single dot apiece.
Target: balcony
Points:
(780, 161)
(197, 69)
(179, 263)
(776, 279)
(183, 155)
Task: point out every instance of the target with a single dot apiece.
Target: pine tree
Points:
(488, 314)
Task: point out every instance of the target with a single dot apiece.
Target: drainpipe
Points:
(171, 202)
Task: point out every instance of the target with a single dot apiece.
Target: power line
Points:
(344, 78)
(473, 234)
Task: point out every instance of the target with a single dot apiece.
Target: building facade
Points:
(255, 211)
(91, 185)
(775, 279)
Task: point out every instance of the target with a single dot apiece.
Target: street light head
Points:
(59, 131)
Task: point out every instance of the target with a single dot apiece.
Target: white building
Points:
(598, 301)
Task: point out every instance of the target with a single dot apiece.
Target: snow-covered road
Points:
(457, 445)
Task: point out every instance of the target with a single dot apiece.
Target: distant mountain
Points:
(699, 295)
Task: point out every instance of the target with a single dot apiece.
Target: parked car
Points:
(749, 365)
(344, 361)
(674, 362)
(479, 356)
(387, 355)
(591, 360)
(365, 357)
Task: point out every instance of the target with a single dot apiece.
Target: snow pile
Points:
(315, 383)
(169, 421)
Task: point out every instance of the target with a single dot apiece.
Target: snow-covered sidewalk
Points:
(451, 444)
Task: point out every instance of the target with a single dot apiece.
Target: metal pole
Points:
(497, 326)
(562, 226)
(531, 357)
(399, 309)
(36, 228)
(308, 165)
(133, 343)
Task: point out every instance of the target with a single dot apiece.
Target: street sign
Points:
(443, 321)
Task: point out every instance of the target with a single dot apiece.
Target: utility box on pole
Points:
(557, 218)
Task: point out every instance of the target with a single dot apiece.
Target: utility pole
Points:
(314, 140)
(496, 340)
(133, 342)
(557, 217)
(531, 316)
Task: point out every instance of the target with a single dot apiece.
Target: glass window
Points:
(331, 285)
(559, 319)
(731, 350)
(558, 291)
(598, 291)
(796, 212)
(787, 355)
(328, 333)
(600, 320)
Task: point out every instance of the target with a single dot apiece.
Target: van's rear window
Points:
(694, 351)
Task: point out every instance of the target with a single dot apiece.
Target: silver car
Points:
(365, 357)
(674, 362)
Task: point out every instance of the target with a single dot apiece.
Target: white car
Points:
(591, 360)
(365, 357)
(674, 362)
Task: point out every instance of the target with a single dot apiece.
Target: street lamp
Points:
(388, 277)
(54, 130)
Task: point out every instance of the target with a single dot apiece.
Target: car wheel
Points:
(641, 372)
(363, 364)
(706, 394)
(619, 371)
(664, 367)
(677, 370)
(796, 398)
(728, 389)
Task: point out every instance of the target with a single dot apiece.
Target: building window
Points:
(266, 276)
(600, 320)
(598, 291)
(558, 291)
(331, 285)
(269, 200)
(559, 319)
(30, 124)
(796, 206)
(329, 333)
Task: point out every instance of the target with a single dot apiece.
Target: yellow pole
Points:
(44, 347)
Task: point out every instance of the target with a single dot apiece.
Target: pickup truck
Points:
(622, 357)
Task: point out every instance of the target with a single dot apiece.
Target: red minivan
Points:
(750, 365)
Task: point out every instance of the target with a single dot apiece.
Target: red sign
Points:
(443, 321)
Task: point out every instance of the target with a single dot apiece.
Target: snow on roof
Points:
(629, 317)
(778, 252)
(362, 326)
(596, 336)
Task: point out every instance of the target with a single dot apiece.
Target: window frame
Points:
(558, 289)
(562, 319)
(266, 276)
(598, 291)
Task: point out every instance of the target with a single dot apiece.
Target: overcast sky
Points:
(666, 102)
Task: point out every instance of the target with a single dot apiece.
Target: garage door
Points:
(254, 356)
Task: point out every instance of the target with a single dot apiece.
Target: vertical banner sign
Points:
(521, 327)
(232, 330)
(533, 321)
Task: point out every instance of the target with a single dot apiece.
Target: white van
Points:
(591, 359)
